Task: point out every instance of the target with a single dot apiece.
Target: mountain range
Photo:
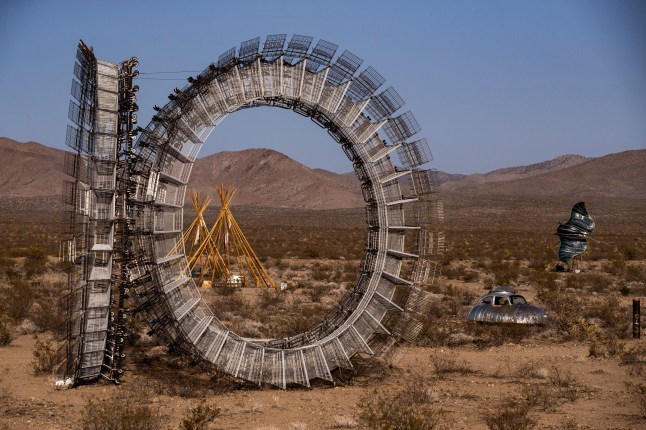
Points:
(268, 178)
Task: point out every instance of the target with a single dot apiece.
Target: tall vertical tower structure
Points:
(102, 111)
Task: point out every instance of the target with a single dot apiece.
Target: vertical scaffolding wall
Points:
(90, 197)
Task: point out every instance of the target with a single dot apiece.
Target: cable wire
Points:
(161, 73)
(163, 79)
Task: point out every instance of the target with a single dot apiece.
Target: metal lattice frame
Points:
(91, 200)
(403, 212)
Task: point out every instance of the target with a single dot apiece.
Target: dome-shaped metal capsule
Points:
(503, 305)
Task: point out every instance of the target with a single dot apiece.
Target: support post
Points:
(636, 319)
(124, 236)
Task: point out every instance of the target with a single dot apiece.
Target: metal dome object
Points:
(503, 306)
(403, 213)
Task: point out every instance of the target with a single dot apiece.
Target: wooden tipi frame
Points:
(222, 253)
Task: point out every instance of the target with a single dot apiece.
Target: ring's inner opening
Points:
(304, 218)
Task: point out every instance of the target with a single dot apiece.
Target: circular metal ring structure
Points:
(403, 212)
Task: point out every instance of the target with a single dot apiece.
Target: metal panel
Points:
(321, 55)
(227, 58)
(400, 128)
(354, 343)
(414, 154)
(384, 104)
(344, 67)
(315, 363)
(366, 84)
(273, 46)
(336, 355)
(297, 48)
(273, 372)
(251, 364)
(249, 50)
(295, 371)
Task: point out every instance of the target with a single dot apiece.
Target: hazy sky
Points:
(492, 83)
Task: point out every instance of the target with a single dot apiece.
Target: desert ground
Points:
(580, 371)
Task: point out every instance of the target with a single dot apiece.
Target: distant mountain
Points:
(621, 174)
(30, 169)
(468, 182)
(263, 177)
(443, 177)
(268, 178)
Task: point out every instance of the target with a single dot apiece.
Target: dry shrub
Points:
(443, 318)
(616, 266)
(510, 415)
(460, 272)
(49, 314)
(470, 276)
(45, 356)
(624, 289)
(561, 386)
(446, 364)
(452, 271)
(566, 313)
(505, 272)
(6, 336)
(639, 391)
(165, 385)
(407, 408)
(497, 334)
(435, 331)
(457, 296)
(539, 256)
(569, 388)
(597, 282)
(199, 417)
(638, 369)
(574, 281)
(605, 345)
(541, 396)
(366, 372)
(635, 357)
(344, 422)
(316, 292)
(290, 324)
(233, 303)
(172, 375)
(531, 370)
(612, 316)
(320, 272)
(635, 274)
(270, 297)
(635, 354)
(16, 300)
(5, 393)
(120, 413)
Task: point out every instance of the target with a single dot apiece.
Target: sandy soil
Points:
(30, 402)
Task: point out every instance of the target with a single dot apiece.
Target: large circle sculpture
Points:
(402, 212)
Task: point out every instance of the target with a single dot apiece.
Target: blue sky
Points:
(492, 83)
